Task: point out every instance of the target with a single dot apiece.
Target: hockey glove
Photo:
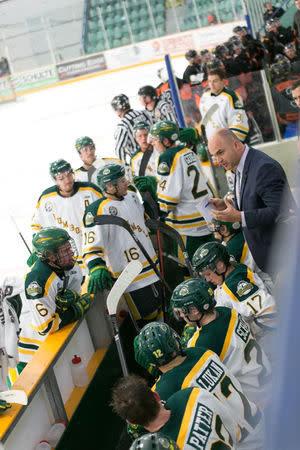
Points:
(100, 279)
(4, 405)
(65, 299)
(146, 183)
(202, 152)
(189, 136)
(32, 259)
(186, 335)
(82, 305)
(16, 303)
(143, 361)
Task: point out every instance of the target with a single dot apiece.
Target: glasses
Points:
(64, 175)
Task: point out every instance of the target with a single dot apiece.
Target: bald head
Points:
(226, 148)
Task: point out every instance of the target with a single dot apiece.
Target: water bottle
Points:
(55, 433)
(43, 445)
(79, 373)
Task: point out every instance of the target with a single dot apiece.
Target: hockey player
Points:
(63, 204)
(157, 107)
(52, 290)
(144, 160)
(108, 248)
(182, 189)
(86, 149)
(223, 331)
(125, 144)
(230, 114)
(191, 417)
(158, 346)
(154, 441)
(236, 287)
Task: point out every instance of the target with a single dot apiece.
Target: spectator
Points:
(4, 66)
(63, 204)
(272, 12)
(211, 18)
(125, 144)
(194, 68)
(157, 107)
(296, 23)
(259, 191)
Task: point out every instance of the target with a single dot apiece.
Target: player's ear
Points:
(156, 395)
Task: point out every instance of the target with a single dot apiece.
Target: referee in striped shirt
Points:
(125, 144)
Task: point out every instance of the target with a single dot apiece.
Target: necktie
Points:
(238, 187)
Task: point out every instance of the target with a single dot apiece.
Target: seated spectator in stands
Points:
(211, 19)
(4, 67)
(194, 68)
(278, 33)
(272, 11)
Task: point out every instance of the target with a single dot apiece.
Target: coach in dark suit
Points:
(262, 194)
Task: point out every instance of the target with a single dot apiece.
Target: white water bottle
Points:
(55, 433)
(43, 445)
(79, 373)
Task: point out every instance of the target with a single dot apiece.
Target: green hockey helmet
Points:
(154, 441)
(207, 255)
(82, 142)
(59, 166)
(156, 345)
(165, 129)
(215, 226)
(48, 240)
(193, 292)
(109, 174)
(140, 126)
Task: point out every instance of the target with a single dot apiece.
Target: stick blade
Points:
(127, 276)
(209, 113)
(14, 396)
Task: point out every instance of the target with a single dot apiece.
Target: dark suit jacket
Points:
(263, 187)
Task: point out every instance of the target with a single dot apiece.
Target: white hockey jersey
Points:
(54, 210)
(151, 168)
(230, 337)
(230, 114)
(183, 191)
(163, 110)
(40, 318)
(90, 175)
(113, 244)
(244, 291)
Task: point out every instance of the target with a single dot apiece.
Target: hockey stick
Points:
(107, 219)
(14, 396)
(127, 276)
(204, 122)
(160, 226)
(20, 234)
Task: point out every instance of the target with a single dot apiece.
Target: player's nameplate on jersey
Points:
(204, 208)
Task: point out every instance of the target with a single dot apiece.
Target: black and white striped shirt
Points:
(125, 144)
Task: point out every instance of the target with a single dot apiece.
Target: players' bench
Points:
(47, 379)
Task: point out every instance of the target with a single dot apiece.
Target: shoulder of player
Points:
(168, 157)
(92, 210)
(233, 97)
(238, 283)
(135, 155)
(87, 186)
(80, 169)
(49, 192)
(196, 353)
(235, 246)
(37, 279)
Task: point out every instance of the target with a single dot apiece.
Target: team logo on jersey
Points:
(106, 171)
(238, 104)
(34, 289)
(89, 218)
(113, 210)
(203, 253)
(183, 291)
(163, 168)
(244, 288)
(48, 206)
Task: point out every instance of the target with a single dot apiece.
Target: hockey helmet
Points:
(215, 226)
(165, 129)
(190, 54)
(207, 255)
(82, 142)
(150, 91)
(48, 240)
(140, 126)
(59, 166)
(156, 345)
(120, 102)
(193, 292)
(110, 173)
(154, 441)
